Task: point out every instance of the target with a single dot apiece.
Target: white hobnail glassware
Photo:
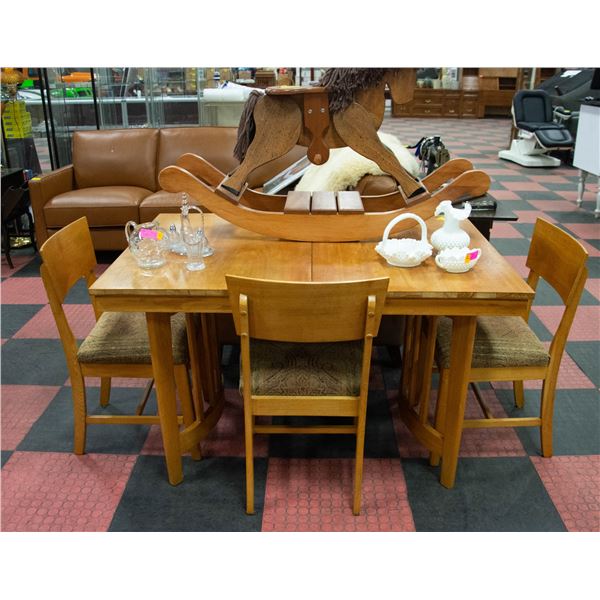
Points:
(404, 252)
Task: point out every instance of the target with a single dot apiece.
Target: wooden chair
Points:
(310, 355)
(506, 349)
(118, 344)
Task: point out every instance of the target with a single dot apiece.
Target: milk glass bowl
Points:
(457, 260)
(404, 252)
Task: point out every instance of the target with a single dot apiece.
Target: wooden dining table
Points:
(492, 287)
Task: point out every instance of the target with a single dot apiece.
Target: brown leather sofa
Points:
(114, 178)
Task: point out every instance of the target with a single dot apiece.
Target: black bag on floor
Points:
(432, 152)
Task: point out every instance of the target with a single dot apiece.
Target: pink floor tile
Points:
(492, 172)
(549, 178)
(587, 231)
(23, 290)
(22, 405)
(524, 186)
(519, 264)
(554, 205)
(43, 326)
(573, 483)
(585, 327)
(593, 287)
(316, 495)
(54, 491)
(2, 341)
(18, 261)
(570, 377)
(505, 230)
(503, 195)
(226, 439)
(531, 216)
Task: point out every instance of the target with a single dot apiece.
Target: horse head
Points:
(401, 83)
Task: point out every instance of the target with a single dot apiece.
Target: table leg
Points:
(461, 354)
(597, 211)
(581, 186)
(159, 334)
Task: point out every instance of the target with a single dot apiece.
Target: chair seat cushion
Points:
(107, 206)
(159, 202)
(316, 369)
(122, 338)
(499, 342)
(554, 138)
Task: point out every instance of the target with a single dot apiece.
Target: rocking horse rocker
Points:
(346, 110)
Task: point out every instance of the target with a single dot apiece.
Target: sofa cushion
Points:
(115, 157)
(160, 202)
(107, 206)
(214, 144)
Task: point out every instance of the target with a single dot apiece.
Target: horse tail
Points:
(247, 126)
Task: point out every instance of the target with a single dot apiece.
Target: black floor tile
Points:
(380, 441)
(587, 357)
(491, 494)
(32, 269)
(576, 423)
(33, 362)
(4, 456)
(14, 316)
(511, 246)
(211, 497)
(53, 431)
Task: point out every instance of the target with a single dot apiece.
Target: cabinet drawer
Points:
(427, 110)
(469, 107)
(401, 110)
(452, 107)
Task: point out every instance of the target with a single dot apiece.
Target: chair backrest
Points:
(560, 259)
(532, 106)
(67, 256)
(307, 312)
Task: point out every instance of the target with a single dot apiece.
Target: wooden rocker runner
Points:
(320, 216)
(346, 110)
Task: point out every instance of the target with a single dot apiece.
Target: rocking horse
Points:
(346, 110)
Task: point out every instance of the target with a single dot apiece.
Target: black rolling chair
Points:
(533, 116)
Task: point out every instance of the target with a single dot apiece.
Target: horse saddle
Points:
(315, 115)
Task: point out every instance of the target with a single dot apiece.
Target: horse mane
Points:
(342, 85)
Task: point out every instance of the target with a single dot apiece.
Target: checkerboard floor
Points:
(303, 483)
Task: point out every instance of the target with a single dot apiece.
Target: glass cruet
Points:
(186, 226)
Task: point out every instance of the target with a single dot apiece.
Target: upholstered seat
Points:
(499, 342)
(119, 338)
(104, 206)
(320, 369)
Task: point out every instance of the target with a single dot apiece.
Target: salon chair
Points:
(538, 133)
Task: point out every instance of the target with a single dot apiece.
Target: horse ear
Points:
(402, 84)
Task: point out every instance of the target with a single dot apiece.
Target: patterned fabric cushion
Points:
(499, 342)
(291, 369)
(123, 338)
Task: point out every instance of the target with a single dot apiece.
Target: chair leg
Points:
(249, 449)
(440, 412)
(104, 391)
(519, 394)
(547, 412)
(360, 453)
(182, 382)
(79, 412)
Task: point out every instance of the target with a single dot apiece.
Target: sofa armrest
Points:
(42, 189)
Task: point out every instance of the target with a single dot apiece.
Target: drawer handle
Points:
(428, 101)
